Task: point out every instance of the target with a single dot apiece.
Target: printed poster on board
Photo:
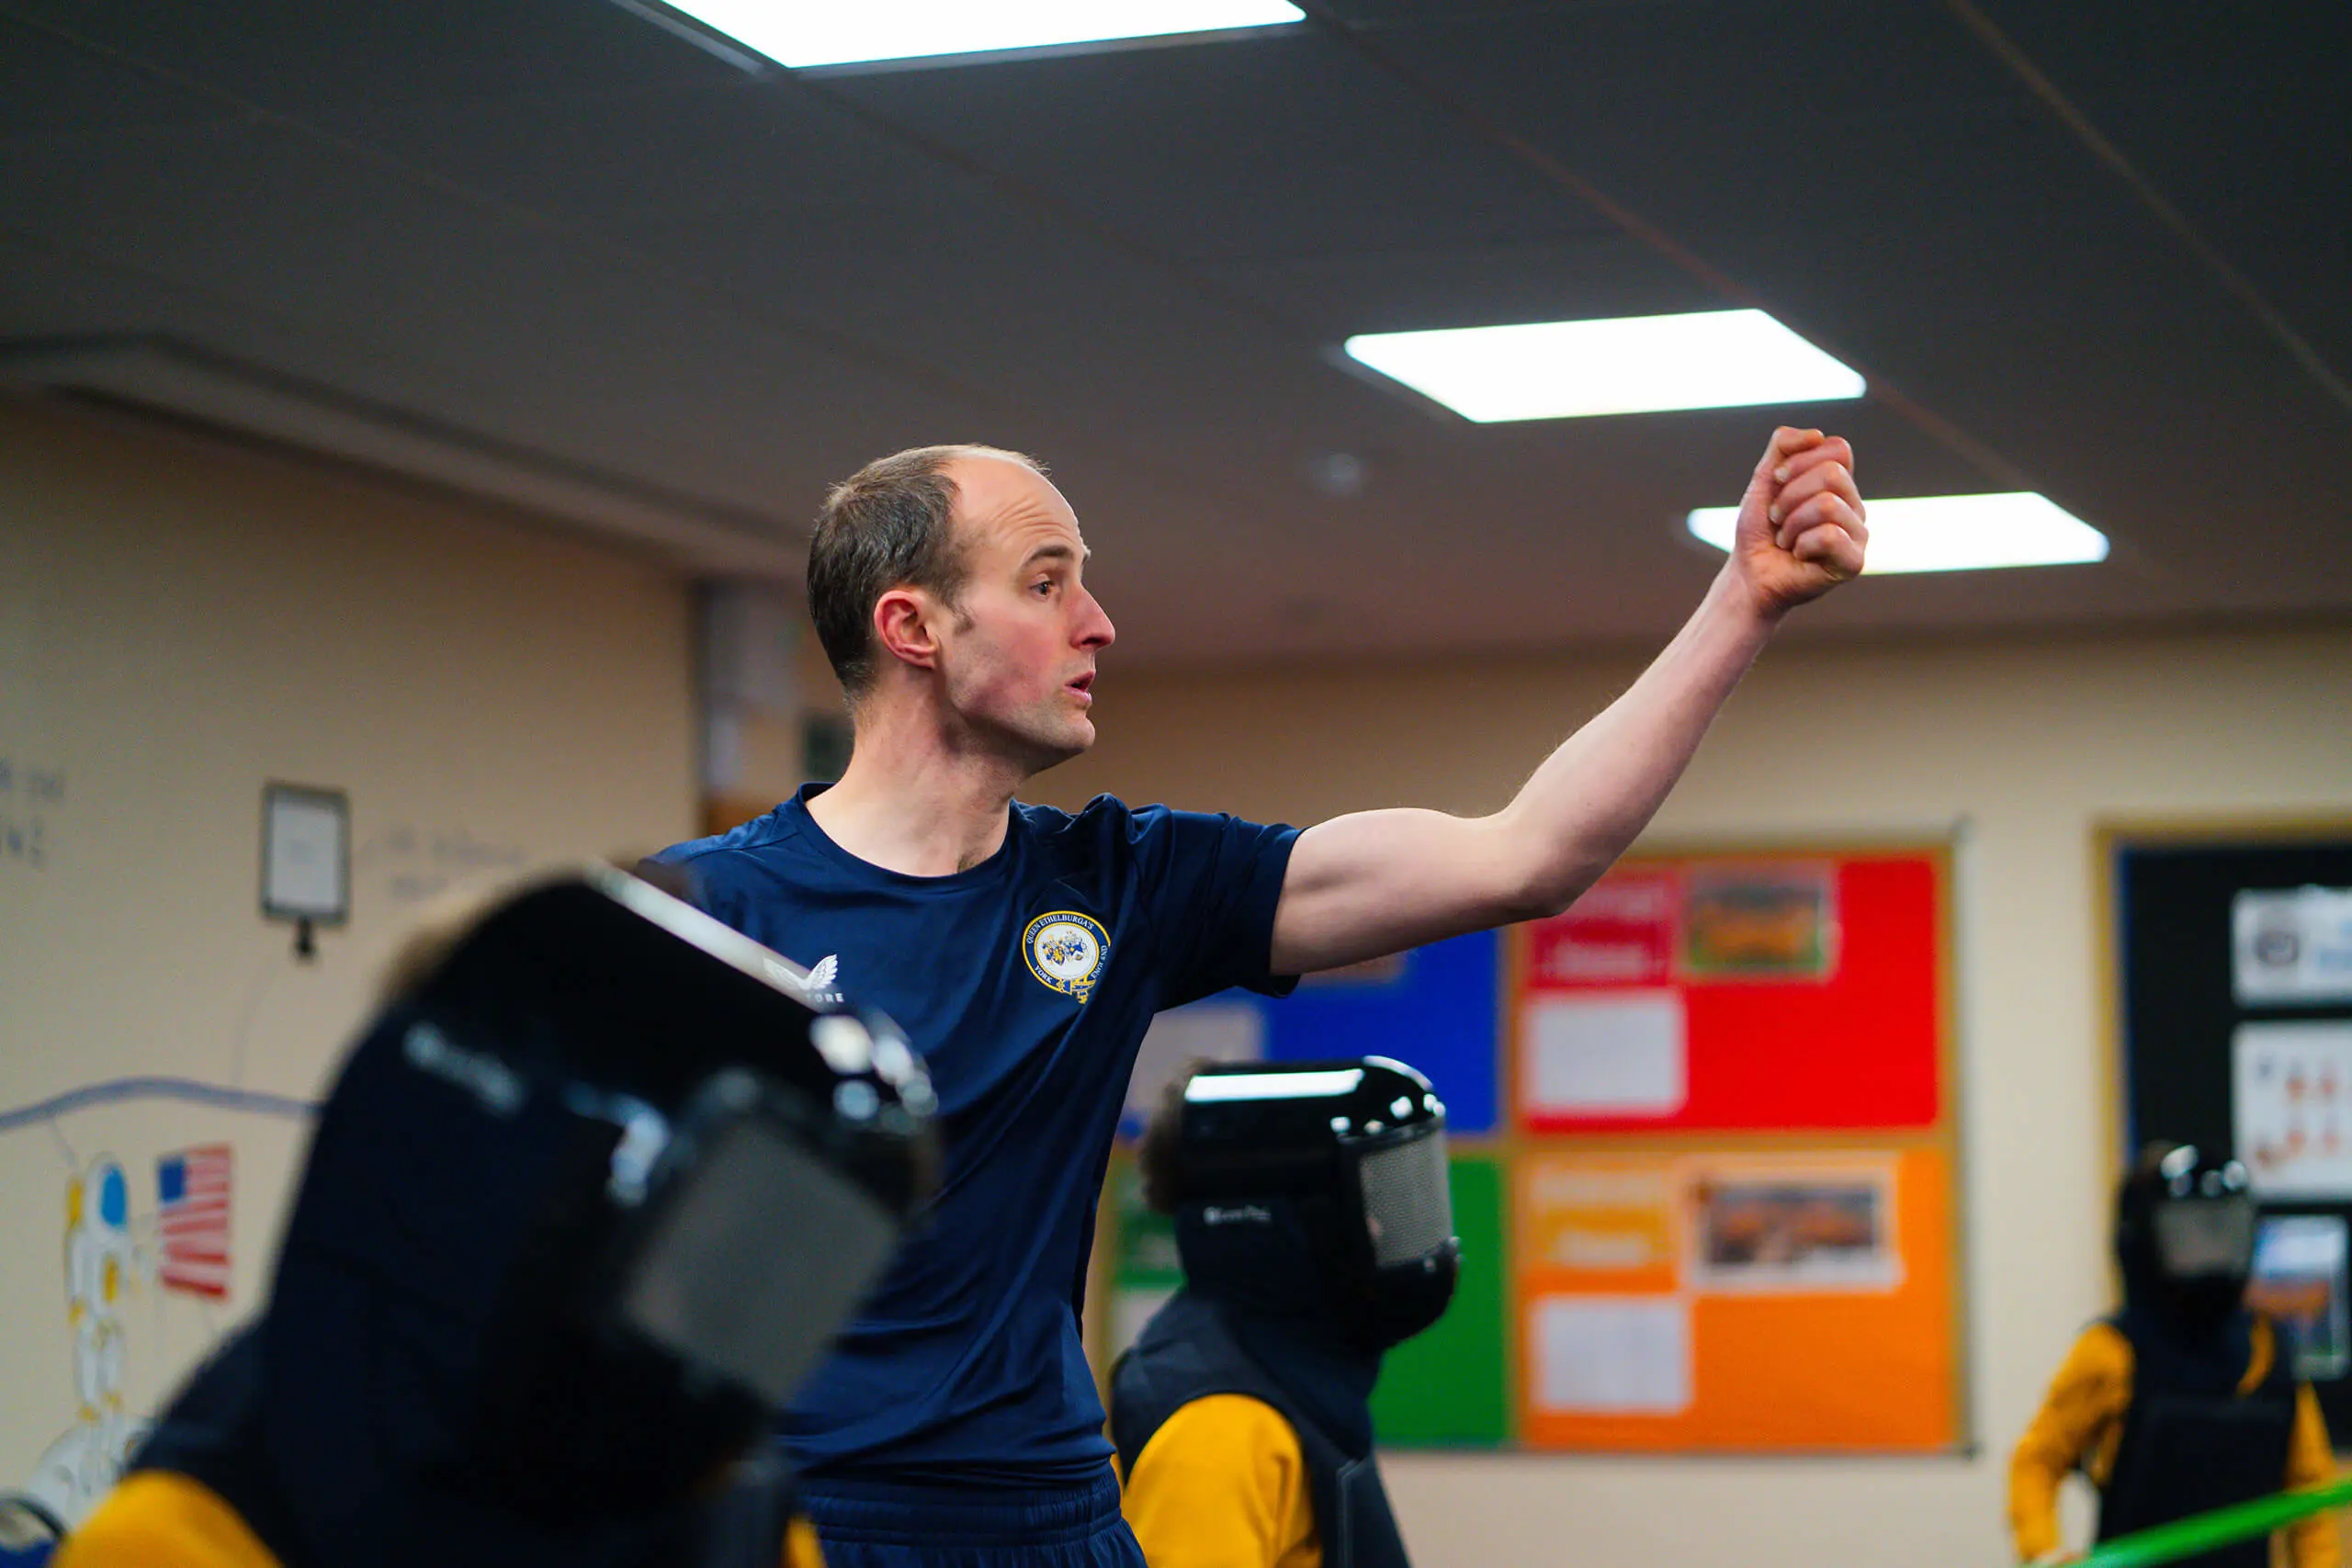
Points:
(2291, 1106)
(2291, 947)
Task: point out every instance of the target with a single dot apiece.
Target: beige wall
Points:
(2024, 748)
(177, 625)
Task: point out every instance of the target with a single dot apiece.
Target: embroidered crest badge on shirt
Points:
(1065, 950)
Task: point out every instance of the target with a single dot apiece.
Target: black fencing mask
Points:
(1322, 1179)
(586, 1203)
(2185, 1233)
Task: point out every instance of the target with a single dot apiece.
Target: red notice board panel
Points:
(1709, 994)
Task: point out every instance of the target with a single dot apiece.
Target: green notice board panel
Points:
(1447, 1388)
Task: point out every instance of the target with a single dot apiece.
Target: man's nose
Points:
(1094, 628)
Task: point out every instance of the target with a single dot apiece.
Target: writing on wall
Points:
(31, 795)
(417, 863)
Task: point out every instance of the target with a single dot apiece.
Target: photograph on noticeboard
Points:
(1760, 922)
(1827, 1229)
(2300, 1284)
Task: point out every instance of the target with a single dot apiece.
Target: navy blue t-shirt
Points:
(1026, 982)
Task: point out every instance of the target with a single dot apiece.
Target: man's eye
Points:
(1044, 585)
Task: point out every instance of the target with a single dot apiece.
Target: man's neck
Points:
(909, 804)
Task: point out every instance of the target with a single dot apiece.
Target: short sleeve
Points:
(2314, 1542)
(157, 1519)
(800, 1546)
(2076, 1424)
(1223, 1484)
(1212, 883)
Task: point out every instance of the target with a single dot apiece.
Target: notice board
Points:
(1704, 1160)
(2232, 982)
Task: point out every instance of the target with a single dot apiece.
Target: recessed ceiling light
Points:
(1953, 533)
(1710, 359)
(862, 31)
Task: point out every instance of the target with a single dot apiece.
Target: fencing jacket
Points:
(1190, 1356)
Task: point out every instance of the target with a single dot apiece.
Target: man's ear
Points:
(905, 626)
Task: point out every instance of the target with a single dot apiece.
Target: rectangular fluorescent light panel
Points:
(1710, 359)
(857, 31)
(1952, 533)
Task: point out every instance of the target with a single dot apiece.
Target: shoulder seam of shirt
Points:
(1148, 908)
(716, 845)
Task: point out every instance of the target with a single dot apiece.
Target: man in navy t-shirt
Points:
(1025, 949)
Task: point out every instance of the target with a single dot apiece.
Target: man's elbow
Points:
(1538, 892)
(1529, 879)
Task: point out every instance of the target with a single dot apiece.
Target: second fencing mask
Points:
(1358, 1146)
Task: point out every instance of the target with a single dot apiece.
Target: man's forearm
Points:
(1376, 882)
(1594, 795)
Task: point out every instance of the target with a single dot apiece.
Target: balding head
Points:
(890, 525)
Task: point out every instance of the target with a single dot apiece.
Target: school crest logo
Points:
(1065, 950)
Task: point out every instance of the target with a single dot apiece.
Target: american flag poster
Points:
(192, 1189)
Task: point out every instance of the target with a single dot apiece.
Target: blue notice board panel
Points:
(1435, 1008)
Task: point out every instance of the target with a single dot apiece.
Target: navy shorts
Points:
(871, 1524)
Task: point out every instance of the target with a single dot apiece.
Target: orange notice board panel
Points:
(1736, 1302)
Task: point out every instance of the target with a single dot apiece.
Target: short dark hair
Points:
(885, 526)
(1156, 1155)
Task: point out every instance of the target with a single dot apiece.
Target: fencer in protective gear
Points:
(1314, 1223)
(590, 1195)
(2184, 1400)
